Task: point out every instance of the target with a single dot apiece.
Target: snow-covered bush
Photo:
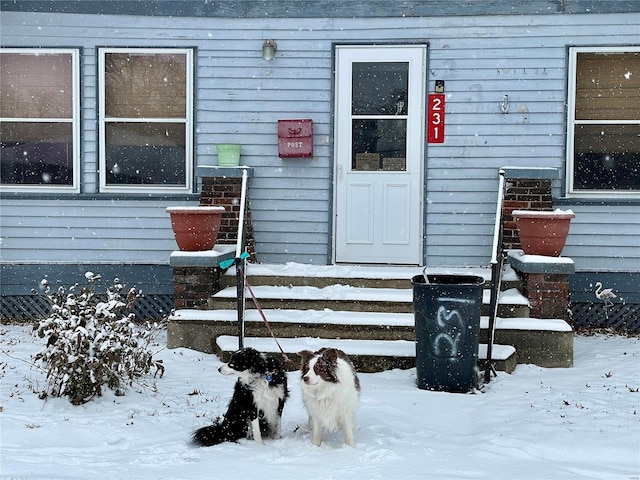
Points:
(93, 341)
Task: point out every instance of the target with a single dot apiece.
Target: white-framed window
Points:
(39, 120)
(146, 120)
(603, 131)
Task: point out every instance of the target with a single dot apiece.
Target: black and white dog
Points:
(330, 391)
(255, 410)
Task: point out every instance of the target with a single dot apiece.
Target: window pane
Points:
(145, 153)
(145, 85)
(608, 86)
(607, 157)
(379, 144)
(36, 153)
(380, 88)
(36, 86)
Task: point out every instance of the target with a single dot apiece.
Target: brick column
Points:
(193, 286)
(546, 284)
(226, 191)
(523, 194)
(548, 295)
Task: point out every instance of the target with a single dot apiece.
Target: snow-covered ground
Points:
(537, 423)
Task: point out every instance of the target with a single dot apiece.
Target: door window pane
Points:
(379, 144)
(379, 110)
(380, 88)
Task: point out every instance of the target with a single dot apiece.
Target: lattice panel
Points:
(24, 308)
(153, 307)
(619, 317)
(33, 307)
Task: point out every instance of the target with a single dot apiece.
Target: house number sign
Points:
(435, 118)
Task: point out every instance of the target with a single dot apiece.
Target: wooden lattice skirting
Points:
(28, 308)
(618, 317)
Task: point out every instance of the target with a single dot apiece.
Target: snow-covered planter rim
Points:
(557, 213)
(196, 209)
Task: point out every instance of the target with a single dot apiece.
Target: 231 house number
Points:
(435, 119)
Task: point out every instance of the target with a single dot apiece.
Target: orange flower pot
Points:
(543, 232)
(195, 228)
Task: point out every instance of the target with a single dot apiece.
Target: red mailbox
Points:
(295, 138)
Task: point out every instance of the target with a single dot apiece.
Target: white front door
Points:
(379, 151)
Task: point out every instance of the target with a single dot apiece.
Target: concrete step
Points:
(511, 303)
(295, 274)
(368, 356)
(544, 342)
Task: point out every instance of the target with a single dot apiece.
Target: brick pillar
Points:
(523, 194)
(193, 286)
(226, 192)
(548, 294)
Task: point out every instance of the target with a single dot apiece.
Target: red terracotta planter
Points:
(196, 228)
(543, 232)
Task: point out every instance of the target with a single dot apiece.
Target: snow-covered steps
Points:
(367, 355)
(545, 342)
(384, 276)
(363, 299)
(359, 303)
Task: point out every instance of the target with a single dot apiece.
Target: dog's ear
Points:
(305, 353)
(272, 363)
(330, 354)
(305, 356)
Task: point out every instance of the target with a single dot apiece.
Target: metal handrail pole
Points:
(240, 262)
(496, 276)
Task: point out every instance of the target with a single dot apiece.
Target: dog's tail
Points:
(211, 435)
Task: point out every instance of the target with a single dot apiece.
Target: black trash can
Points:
(447, 312)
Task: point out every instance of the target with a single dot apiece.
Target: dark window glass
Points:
(379, 112)
(146, 118)
(145, 153)
(36, 127)
(607, 122)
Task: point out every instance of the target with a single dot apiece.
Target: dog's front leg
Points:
(348, 426)
(255, 430)
(316, 428)
(278, 428)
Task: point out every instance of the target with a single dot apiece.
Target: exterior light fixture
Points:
(269, 48)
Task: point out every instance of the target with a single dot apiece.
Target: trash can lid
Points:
(448, 279)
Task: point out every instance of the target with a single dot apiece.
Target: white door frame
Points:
(374, 245)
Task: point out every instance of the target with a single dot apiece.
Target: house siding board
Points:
(321, 8)
(604, 238)
(274, 214)
(239, 98)
(283, 198)
(86, 231)
(277, 228)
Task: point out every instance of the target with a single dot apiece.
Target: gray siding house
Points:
(108, 108)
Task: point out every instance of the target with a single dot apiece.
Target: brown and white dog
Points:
(330, 391)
